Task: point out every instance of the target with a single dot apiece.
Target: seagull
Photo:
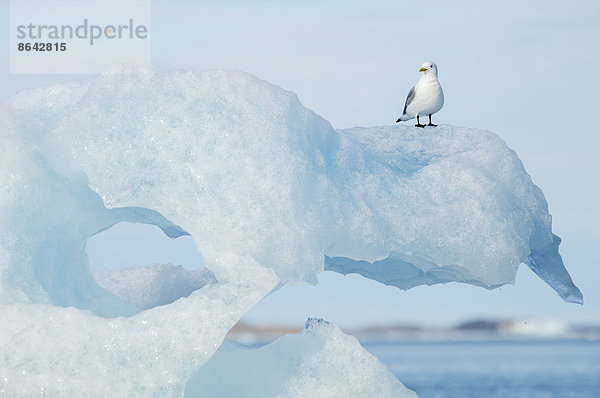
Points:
(425, 98)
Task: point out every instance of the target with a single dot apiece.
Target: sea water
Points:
(514, 368)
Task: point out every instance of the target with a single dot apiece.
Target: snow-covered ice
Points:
(271, 195)
(151, 286)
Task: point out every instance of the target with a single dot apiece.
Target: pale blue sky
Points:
(523, 69)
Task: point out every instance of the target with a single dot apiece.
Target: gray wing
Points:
(411, 95)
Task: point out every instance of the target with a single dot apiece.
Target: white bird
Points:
(425, 98)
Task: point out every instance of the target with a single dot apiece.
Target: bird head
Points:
(428, 67)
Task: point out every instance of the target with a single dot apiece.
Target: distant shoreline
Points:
(475, 330)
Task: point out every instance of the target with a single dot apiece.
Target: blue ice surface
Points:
(548, 265)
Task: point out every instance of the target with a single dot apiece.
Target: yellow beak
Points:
(422, 70)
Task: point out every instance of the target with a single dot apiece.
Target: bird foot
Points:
(420, 125)
(432, 125)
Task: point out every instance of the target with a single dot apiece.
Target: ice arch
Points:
(246, 169)
(52, 249)
(265, 186)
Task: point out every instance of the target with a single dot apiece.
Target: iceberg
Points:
(269, 191)
(320, 361)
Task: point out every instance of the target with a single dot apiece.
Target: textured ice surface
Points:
(244, 168)
(267, 189)
(451, 204)
(66, 352)
(150, 286)
(320, 361)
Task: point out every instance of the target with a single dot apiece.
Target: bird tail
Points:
(404, 118)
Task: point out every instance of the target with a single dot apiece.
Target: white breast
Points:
(429, 98)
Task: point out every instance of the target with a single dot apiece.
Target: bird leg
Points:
(431, 124)
(419, 123)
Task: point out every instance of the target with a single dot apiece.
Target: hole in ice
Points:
(131, 244)
(142, 266)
